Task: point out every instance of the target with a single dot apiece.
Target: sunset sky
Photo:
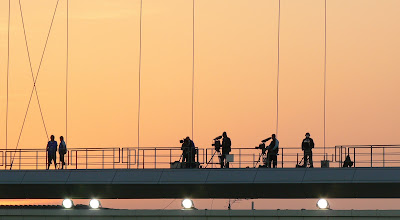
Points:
(235, 72)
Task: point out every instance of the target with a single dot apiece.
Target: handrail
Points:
(164, 157)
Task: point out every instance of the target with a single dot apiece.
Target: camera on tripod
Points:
(262, 146)
(217, 143)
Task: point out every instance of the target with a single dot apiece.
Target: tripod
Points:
(259, 159)
(212, 158)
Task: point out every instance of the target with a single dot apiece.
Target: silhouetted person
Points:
(188, 153)
(226, 149)
(273, 149)
(347, 162)
(62, 150)
(307, 145)
(51, 152)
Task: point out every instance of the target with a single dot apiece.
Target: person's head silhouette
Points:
(52, 137)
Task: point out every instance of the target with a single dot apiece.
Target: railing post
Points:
(20, 159)
(155, 158)
(240, 158)
(102, 163)
(113, 158)
(282, 157)
(341, 152)
(170, 156)
(206, 157)
(371, 156)
(354, 156)
(86, 157)
(297, 158)
(128, 161)
(76, 158)
(383, 156)
(143, 158)
(37, 160)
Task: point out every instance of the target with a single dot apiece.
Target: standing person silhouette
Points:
(273, 149)
(51, 152)
(62, 150)
(307, 145)
(188, 153)
(226, 149)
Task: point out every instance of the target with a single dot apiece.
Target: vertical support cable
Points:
(140, 67)
(193, 75)
(66, 77)
(277, 78)
(8, 67)
(325, 82)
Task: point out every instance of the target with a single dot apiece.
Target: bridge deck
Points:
(203, 183)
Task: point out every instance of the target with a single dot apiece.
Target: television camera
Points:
(217, 143)
(263, 152)
(262, 146)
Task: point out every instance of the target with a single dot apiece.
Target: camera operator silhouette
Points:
(226, 149)
(188, 153)
(273, 149)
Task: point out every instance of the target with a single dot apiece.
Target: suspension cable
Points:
(277, 78)
(34, 79)
(193, 76)
(140, 68)
(325, 82)
(66, 77)
(8, 65)
(31, 69)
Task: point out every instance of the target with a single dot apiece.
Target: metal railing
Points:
(163, 157)
(75, 158)
(369, 155)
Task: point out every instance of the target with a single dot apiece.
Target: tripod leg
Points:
(211, 159)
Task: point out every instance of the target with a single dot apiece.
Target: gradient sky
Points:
(235, 72)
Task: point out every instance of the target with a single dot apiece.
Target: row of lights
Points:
(68, 203)
(187, 204)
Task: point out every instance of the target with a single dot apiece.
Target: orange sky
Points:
(235, 72)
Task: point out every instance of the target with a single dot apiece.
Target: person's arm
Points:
(276, 144)
(312, 143)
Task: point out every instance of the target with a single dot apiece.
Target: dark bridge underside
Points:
(202, 183)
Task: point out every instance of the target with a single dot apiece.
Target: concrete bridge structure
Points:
(201, 183)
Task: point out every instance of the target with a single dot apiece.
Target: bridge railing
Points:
(75, 158)
(163, 157)
(369, 155)
(155, 158)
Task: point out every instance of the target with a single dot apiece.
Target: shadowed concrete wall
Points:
(202, 183)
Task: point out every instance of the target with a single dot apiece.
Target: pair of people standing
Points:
(52, 149)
